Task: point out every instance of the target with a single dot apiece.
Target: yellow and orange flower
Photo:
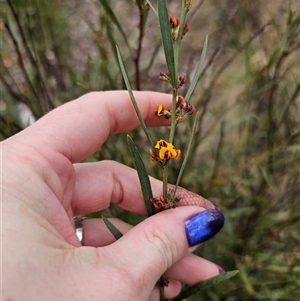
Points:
(162, 111)
(167, 150)
(159, 111)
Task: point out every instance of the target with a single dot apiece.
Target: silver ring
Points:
(79, 227)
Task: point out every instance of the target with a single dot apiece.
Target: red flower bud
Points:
(174, 22)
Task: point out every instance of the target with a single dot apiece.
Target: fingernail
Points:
(203, 226)
(221, 270)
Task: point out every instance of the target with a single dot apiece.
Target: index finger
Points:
(77, 129)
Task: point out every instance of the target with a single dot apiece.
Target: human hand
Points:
(44, 188)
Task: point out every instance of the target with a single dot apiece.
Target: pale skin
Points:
(44, 187)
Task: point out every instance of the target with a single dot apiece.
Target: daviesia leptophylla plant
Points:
(163, 151)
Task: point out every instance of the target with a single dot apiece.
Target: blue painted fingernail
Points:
(203, 226)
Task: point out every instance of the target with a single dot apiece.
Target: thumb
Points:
(151, 247)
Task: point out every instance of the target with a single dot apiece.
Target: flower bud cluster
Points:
(162, 203)
(182, 81)
(165, 77)
(183, 108)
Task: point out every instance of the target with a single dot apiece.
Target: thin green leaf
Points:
(167, 41)
(198, 71)
(199, 287)
(143, 176)
(113, 229)
(149, 3)
(128, 86)
(114, 19)
(188, 152)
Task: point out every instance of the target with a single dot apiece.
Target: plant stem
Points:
(188, 153)
(162, 293)
(176, 46)
(178, 41)
(165, 179)
(173, 120)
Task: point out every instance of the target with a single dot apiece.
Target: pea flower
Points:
(162, 111)
(166, 150)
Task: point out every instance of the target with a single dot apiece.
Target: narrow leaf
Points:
(114, 20)
(191, 290)
(149, 3)
(188, 152)
(113, 229)
(199, 287)
(198, 72)
(143, 176)
(167, 41)
(128, 86)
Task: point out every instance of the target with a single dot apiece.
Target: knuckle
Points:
(163, 243)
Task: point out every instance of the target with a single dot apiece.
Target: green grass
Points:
(246, 153)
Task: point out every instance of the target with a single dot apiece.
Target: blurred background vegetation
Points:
(247, 149)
